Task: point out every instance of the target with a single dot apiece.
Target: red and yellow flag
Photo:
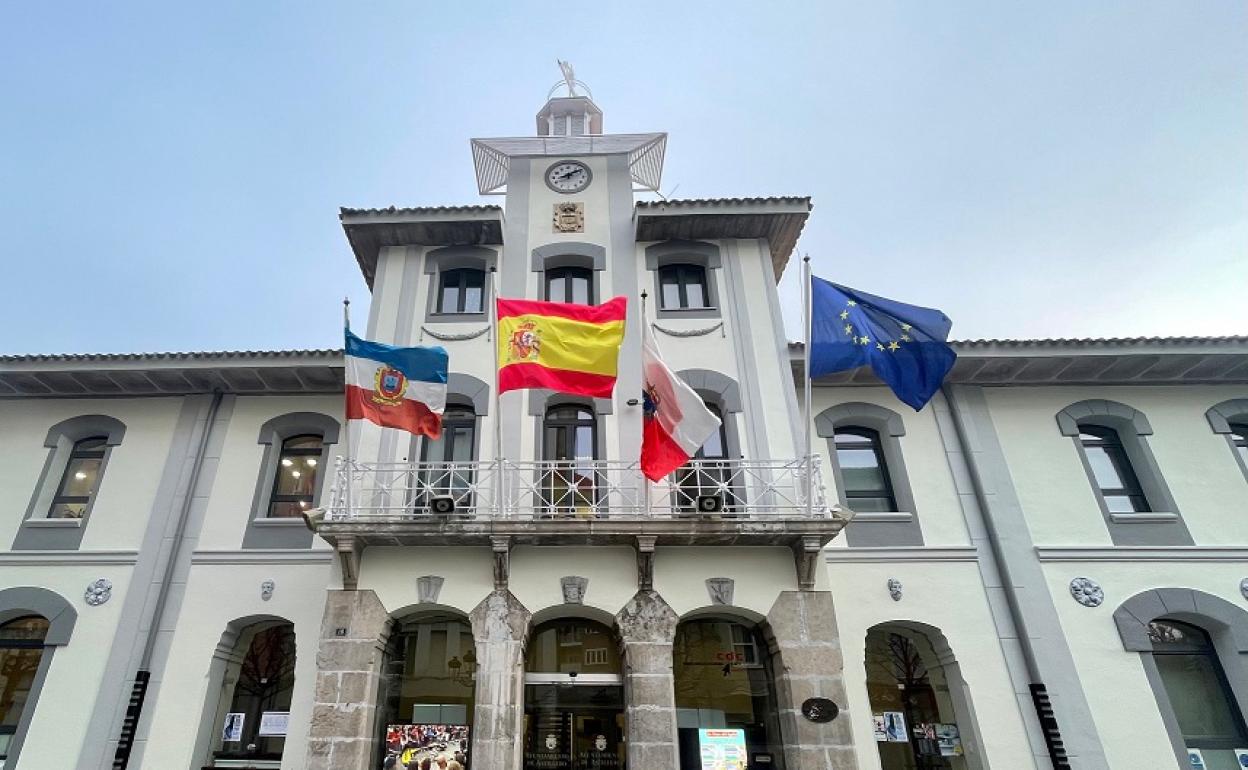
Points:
(559, 345)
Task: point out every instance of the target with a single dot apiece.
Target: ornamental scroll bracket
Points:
(690, 332)
(502, 561)
(449, 337)
(806, 557)
(645, 562)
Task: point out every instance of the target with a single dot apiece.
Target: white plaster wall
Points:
(215, 595)
(126, 492)
(1112, 676)
(759, 573)
(392, 571)
(1061, 507)
(541, 230)
(931, 480)
(535, 574)
(950, 597)
(58, 727)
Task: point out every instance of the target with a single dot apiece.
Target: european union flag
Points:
(906, 345)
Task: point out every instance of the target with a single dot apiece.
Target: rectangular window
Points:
(1111, 470)
(461, 291)
(683, 287)
(863, 471)
(79, 482)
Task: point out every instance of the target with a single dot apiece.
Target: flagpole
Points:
(645, 480)
(806, 423)
(346, 325)
(498, 417)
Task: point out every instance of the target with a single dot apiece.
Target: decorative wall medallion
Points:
(569, 218)
(720, 589)
(819, 710)
(428, 587)
(894, 589)
(574, 589)
(1243, 587)
(266, 589)
(1087, 592)
(99, 591)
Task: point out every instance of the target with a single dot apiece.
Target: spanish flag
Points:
(559, 345)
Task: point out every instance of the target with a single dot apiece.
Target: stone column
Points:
(647, 628)
(500, 626)
(349, 663)
(807, 663)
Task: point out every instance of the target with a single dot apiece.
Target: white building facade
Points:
(1061, 531)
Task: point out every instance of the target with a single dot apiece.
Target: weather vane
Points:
(569, 76)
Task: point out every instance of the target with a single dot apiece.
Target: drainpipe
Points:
(1039, 694)
(129, 725)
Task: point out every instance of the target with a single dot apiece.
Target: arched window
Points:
(254, 725)
(570, 284)
(683, 287)
(919, 703)
(570, 454)
(295, 480)
(573, 696)
(80, 479)
(447, 461)
(863, 471)
(1199, 695)
(710, 472)
(723, 680)
(21, 650)
(461, 290)
(1111, 468)
(1239, 440)
(428, 690)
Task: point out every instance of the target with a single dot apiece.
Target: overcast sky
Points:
(171, 173)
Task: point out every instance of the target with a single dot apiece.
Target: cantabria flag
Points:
(675, 422)
(403, 388)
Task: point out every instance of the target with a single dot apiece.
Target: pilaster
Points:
(647, 627)
(500, 625)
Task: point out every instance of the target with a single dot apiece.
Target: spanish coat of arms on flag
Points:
(562, 346)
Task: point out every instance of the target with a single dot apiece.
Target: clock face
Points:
(568, 176)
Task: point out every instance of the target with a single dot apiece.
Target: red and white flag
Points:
(676, 422)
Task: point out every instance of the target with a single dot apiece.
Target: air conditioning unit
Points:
(442, 505)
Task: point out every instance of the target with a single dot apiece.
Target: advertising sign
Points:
(722, 749)
(233, 726)
(895, 727)
(408, 744)
(273, 723)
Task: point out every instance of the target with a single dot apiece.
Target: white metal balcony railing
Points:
(405, 491)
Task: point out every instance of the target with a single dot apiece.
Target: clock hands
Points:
(571, 173)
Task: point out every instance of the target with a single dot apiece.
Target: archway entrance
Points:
(573, 698)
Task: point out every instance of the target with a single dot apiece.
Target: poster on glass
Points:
(895, 727)
(233, 730)
(722, 749)
(877, 724)
(274, 723)
(949, 740)
(445, 746)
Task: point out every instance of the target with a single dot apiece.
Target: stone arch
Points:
(85, 426)
(579, 611)
(932, 639)
(590, 256)
(718, 386)
(1098, 411)
(277, 429)
(449, 257)
(468, 390)
(1221, 414)
(693, 252)
(878, 418)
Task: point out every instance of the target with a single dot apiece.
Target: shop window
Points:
(683, 287)
(914, 700)
(21, 651)
(253, 729)
(295, 479)
(461, 290)
(427, 694)
(570, 477)
(863, 471)
(80, 479)
(1111, 469)
(570, 284)
(1198, 693)
(723, 681)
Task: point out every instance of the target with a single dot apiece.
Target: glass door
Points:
(574, 726)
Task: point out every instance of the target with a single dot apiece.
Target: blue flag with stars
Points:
(906, 345)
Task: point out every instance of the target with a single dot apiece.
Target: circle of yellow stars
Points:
(893, 345)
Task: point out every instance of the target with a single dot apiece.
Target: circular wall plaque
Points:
(819, 709)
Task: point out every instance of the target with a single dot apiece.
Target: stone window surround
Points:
(262, 531)
(1226, 624)
(589, 256)
(895, 528)
(462, 390)
(724, 392)
(454, 257)
(61, 617)
(1220, 417)
(1163, 525)
(37, 531)
(706, 255)
(227, 660)
(959, 691)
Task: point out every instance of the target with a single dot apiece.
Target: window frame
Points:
(557, 492)
(1208, 651)
(665, 254)
(283, 452)
(683, 271)
(262, 530)
(566, 272)
(448, 259)
(1109, 441)
(462, 284)
(868, 438)
(77, 453)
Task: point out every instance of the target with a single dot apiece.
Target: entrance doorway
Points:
(573, 698)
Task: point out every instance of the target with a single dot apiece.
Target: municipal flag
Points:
(906, 345)
(403, 388)
(562, 346)
(676, 422)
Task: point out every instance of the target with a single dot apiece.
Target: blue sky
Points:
(171, 173)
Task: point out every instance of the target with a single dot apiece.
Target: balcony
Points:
(707, 502)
